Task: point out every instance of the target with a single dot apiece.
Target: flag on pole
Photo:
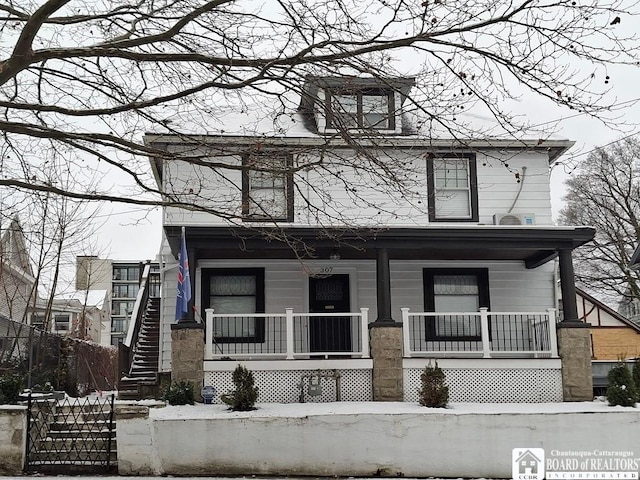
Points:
(184, 281)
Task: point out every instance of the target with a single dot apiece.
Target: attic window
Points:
(367, 108)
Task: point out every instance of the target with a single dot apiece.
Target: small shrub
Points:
(621, 389)
(244, 397)
(433, 391)
(179, 393)
(10, 388)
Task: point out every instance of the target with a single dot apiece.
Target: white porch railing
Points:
(287, 335)
(480, 334)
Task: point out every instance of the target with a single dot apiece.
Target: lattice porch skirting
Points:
(477, 380)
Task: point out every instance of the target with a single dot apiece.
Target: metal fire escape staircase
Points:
(138, 355)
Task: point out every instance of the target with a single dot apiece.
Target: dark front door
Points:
(329, 295)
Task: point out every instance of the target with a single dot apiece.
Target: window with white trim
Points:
(453, 191)
(267, 192)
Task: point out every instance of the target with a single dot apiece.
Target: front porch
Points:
(361, 319)
(514, 359)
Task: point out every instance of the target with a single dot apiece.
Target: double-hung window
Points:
(267, 187)
(61, 322)
(455, 291)
(239, 293)
(367, 108)
(453, 189)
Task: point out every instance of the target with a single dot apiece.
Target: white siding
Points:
(498, 187)
(512, 287)
(596, 316)
(342, 195)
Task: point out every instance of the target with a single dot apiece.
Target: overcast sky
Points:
(133, 233)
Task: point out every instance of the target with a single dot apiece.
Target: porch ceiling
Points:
(532, 245)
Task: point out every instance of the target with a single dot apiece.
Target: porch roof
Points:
(532, 245)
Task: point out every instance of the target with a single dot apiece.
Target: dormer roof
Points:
(314, 83)
(316, 108)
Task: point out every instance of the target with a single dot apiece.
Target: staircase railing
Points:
(149, 284)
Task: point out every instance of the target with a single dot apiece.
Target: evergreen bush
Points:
(635, 373)
(10, 388)
(621, 389)
(433, 391)
(179, 393)
(244, 397)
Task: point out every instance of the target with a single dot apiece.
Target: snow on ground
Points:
(62, 477)
(298, 410)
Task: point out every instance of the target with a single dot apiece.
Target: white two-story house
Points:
(312, 227)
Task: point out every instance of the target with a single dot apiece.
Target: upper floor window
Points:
(366, 108)
(267, 187)
(127, 290)
(453, 188)
(126, 273)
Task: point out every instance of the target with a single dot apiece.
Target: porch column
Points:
(574, 339)
(385, 338)
(383, 286)
(187, 354)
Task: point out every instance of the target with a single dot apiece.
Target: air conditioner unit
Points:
(514, 219)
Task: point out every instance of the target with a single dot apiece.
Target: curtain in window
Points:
(452, 187)
(456, 293)
(233, 294)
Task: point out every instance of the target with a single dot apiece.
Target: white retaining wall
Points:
(13, 437)
(364, 439)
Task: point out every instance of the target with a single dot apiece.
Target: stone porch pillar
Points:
(385, 339)
(187, 354)
(574, 339)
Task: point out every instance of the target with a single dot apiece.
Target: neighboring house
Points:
(120, 279)
(635, 258)
(14, 341)
(630, 305)
(17, 279)
(459, 262)
(613, 336)
(77, 314)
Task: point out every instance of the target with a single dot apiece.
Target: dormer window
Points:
(367, 108)
(354, 104)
